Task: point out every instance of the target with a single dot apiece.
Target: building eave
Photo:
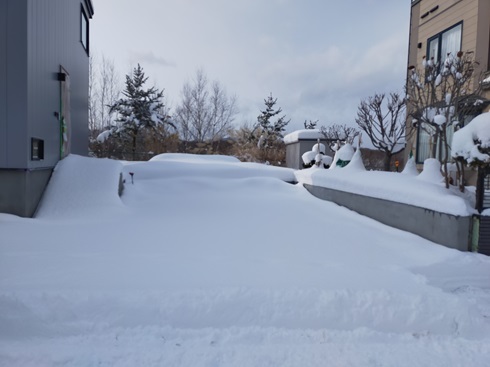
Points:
(90, 8)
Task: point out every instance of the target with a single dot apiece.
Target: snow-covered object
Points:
(327, 160)
(322, 148)
(345, 154)
(467, 140)
(440, 119)
(308, 157)
(356, 162)
(302, 134)
(431, 171)
(194, 158)
(410, 168)
(318, 158)
(103, 136)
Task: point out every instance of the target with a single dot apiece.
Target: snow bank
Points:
(426, 192)
(80, 185)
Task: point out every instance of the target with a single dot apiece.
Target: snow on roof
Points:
(303, 134)
(468, 139)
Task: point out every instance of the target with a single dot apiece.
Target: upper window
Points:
(84, 29)
(448, 41)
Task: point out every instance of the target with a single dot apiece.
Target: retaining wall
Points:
(445, 229)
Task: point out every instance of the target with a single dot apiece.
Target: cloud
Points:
(149, 58)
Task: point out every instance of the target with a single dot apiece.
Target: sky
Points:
(318, 58)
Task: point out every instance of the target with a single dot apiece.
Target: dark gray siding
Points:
(3, 84)
(295, 151)
(16, 80)
(54, 41)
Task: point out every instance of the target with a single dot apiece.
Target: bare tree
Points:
(383, 120)
(206, 112)
(104, 90)
(339, 133)
(438, 96)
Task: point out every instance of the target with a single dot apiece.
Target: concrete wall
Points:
(448, 230)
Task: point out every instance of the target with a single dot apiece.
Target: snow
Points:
(440, 119)
(467, 140)
(410, 168)
(205, 261)
(425, 190)
(319, 148)
(431, 171)
(297, 135)
(103, 136)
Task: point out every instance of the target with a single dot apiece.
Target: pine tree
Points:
(140, 109)
(270, 132)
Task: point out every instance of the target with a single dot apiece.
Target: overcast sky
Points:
(318, 57)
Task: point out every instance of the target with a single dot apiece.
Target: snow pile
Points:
(469, 140)
(305, 134)
(79, 184)
(356, 163)
(431, 171)
(217, 268)
(410, 168)
(342, 156)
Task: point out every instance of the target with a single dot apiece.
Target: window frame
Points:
(438, 37)
(84, 30)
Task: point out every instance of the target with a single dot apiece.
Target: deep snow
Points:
(211, 262)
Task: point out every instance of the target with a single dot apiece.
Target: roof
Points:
(307, 134)
(90, 8)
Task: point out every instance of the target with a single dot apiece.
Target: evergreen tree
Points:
(139, 109)
(270, 132)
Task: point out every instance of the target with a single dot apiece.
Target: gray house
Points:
(44, 68)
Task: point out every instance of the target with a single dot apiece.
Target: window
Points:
(37, 149)
(84, 30)
(448, 41)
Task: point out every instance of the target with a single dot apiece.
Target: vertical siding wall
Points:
(3, 84)
(16, 83)
(54, 40)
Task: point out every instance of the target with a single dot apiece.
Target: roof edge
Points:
(90, 8)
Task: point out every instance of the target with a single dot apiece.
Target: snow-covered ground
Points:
(211, 262)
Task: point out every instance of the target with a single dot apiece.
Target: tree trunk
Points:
(133, 147)
(387, 161)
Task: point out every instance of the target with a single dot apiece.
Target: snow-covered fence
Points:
(445, 229)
